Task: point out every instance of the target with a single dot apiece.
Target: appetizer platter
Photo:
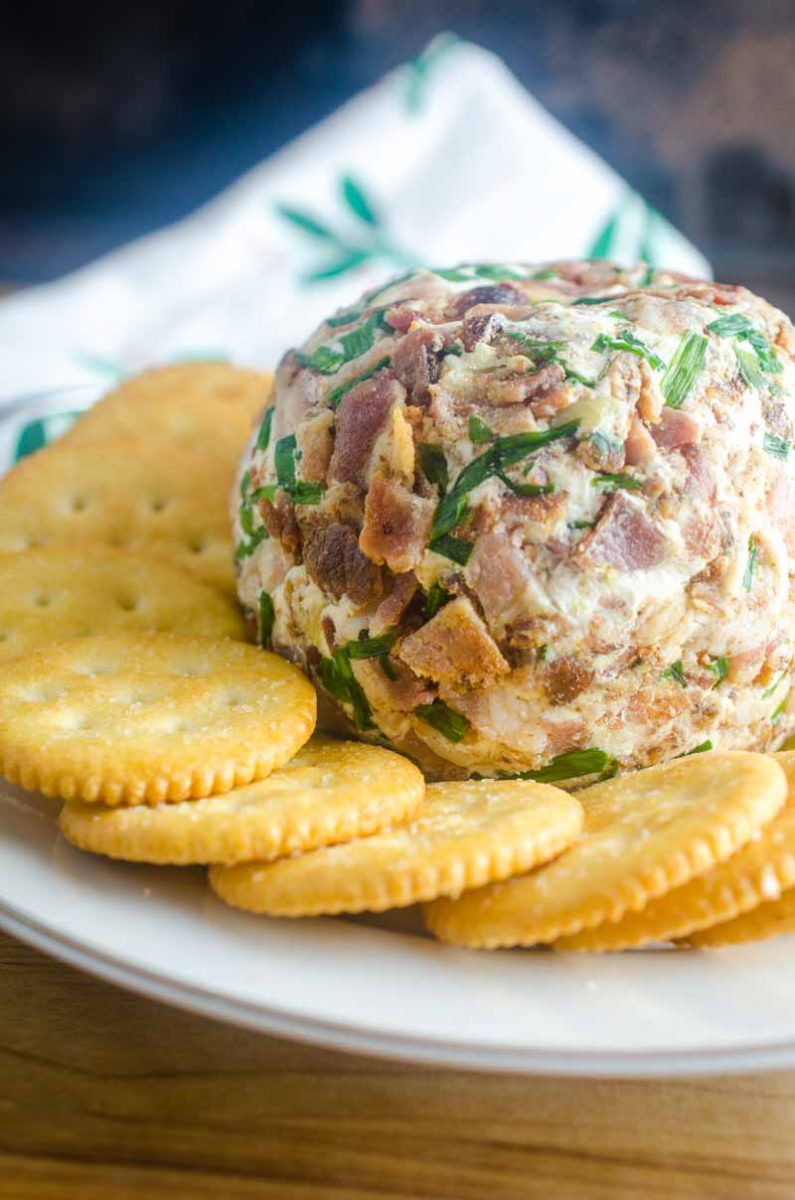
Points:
(469, 629)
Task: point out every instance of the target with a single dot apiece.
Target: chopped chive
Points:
(676, 673)
(479, 432)
(371, 647)
(505, 452)
(434, 465)
(625, 340)
(575, 375)
(526, 489)
(358, 341)
(752, 566)
(437, 594)
(571, 766)
(324, 359)
(264, 435)
(497, 272)
(247, 514)
(284, 460)
(302, 492)
(701, 748)
(537, 348)
(719, 667)
(738, 326)
(594, 300)
(445, 720)
(611, 482)
(339, 680)
(354, 344)
(583, 524)
(344, 318)
(452, 274)
(542, 276)
(267, 616)
(780, 710)
(768, 692)
(456, 549)
(779, 447)
(685, 365)
(246, 549)
(387, 668)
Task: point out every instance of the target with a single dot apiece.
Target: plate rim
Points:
(446, 1053)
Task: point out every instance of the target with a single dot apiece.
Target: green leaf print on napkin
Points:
(632, 232)
(418, 70)
(368, 240)
(38, 433)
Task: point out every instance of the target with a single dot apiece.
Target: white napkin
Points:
(446, 159)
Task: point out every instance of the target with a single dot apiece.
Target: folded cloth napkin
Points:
(446, 159)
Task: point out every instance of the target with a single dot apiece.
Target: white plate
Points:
(383, 987)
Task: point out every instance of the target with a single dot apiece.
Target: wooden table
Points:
(107, 1096)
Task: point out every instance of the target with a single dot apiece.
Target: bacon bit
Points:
(416, 360)
(454, 647)
(498, 575)
(316, 444)
(280, 522)
(390, 611)
(400, 319)
(361, 417)
(564, 679)
(700, 483)
(329, 632)
(623, 537)
(397, 525)
(712, 293)
(337, 565)
(588, 272)
(497, 293)
(676, 429)
(480, 325)
(404, 693)
(640, 445)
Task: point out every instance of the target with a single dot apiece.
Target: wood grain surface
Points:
(107, 1096)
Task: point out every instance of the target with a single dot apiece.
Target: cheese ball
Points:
(533, 520)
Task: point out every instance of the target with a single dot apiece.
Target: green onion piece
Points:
(302, 492)
(779, 447)
(354, 343)
(267, 616)
(496, 272)
(479, 432)
(247, 516)
(434, 465)
(246, 549)
(505, 452)
(371, 647)
(336, 394)
(456, 549)
(779, 712)
(749, 368)
(570, 766)
(324, 359)
(752, 565)
(437, 594)
(526, 489)
(344, 318)
(719, 668)
(264, 435)
(445, 720)
(284, 460)
(626, 340)
(583, 524)
(339, 680)
(358, 341)
(453, 274)
(575, 375)
(701, 748)
(676, 673)
(611, 482)
(685, 365)
(544, 275)
(594, 300)
(737, 326)
(536, 348)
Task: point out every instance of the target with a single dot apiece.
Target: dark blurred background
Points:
(116, 119)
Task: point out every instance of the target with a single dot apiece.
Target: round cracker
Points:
(202, 404)
(126, 493)
(143, 718)
(466, 834)
(764, 867)
(330, 792)
(766, 921)
(644, 833)
(59, 592)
